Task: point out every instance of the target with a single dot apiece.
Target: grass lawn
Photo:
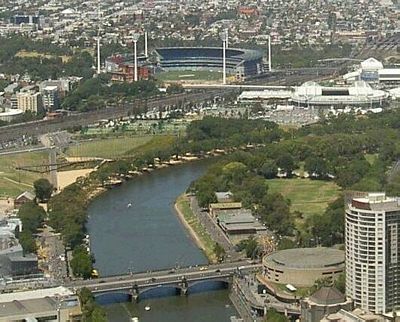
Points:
(300, 292)
(35, 54)
(184, 206)
(156, 142)
(114, 147)
(12, 181)
(307, 196)
(371, 158)
(189, 75)
(107, 148)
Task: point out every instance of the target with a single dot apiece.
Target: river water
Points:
(147, 236)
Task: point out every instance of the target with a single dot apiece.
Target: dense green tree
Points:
(32, 216)
(27, 242)
(43, 189)
(340, 283)
(175, 88)
(269, 169)
(219, 252)
(316, 167)
(275, 213)
(274, 316)
(235, 172)
(91, 311)
(286, 163)
(205, 197)
(81, 262)
(286, 243)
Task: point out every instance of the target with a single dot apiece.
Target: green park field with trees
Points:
(13, 181)
(335, 152)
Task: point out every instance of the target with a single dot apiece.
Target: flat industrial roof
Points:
(306, 258)
(226, 205)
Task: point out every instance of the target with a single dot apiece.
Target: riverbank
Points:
(194, 227)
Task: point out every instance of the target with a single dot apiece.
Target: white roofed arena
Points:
(358, 94)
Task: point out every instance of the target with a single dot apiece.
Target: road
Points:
(214, 230)
(156, 278)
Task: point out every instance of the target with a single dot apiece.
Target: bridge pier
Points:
(135, 294)
(184, 286)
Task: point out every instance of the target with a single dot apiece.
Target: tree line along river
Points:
(134, 228)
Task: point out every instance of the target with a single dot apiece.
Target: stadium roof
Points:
(371, 64)
(245, 54)
(307, 258)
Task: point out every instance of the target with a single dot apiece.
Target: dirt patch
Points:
(65, 178)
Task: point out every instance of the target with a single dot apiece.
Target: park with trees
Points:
(345, 152)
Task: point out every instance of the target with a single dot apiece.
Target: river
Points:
(147, 236)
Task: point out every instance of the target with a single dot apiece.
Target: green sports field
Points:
(189, 75)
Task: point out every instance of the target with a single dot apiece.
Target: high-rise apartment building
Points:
(28, 101)
(51, 100)
(372, 252)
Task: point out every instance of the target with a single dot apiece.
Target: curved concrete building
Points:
(303, 266)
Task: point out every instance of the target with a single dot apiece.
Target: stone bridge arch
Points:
(209, 284)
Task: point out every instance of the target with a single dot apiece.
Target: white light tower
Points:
(224, 36)
(269, 53)
(135, 39)
(98, 38)
(227, 37)
(98, 53)
(145, 43)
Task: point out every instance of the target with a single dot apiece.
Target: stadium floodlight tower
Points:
(145, 43)
(269, 53)
(224, 37)
(98, 54)
(98, 38)
(135, 39)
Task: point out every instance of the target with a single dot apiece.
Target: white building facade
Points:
(372, 225)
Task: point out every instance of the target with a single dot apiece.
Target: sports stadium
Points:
(242, 63)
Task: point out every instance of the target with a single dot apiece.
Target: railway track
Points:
(35, 128)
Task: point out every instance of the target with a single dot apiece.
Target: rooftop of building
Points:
(376, 201)
(11, 112)
(306, 258)
(371, 64)
(38, 306)
(181, 52)
(226, 205)
(327, 296)
(55, 292)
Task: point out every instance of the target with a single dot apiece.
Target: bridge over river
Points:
(182, 280)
